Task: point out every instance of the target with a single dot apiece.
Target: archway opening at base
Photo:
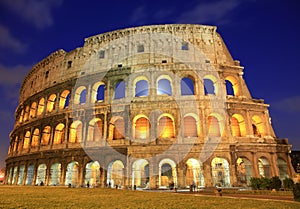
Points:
(115, 174)
(194, 173)
(55, 174)
(140, 173)
(21, 174)
(244, 171)
(264, 167)
(92, 173)
(41, 174)
(220, 172)
(282, 169)
(72, 173)
(30, 174)
(167, 173)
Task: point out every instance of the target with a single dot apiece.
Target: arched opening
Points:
(41, 107)
(141, 88)
(282, 169)
(164, 87)
(95, 130)
(9, 175)
(30, 174)
(140, 173)
(166, 127)
(41, 174)
(229, 88)
(21, 116)
(75, 135)
(51, 103)
(59, 134)
(14, 179)
(26, 114)
(213, 126)
(64, 99)
(232, 87)
(244, 171)
(142, 127)
(55, 174)
(92, 173)
(190, 127)
(115, 174)
(117, 128)
(80, 95)
(35, 138)
(264, 167)
(238, 126)
(26, 140)
(46, 136)
(209, 87)
(257, 126)
(194, 173)
(72, 174)
(220, 172)
(187, 86)
(167, 173)
(98, 92)
(33, 110)
(21, 174)
(120, 90)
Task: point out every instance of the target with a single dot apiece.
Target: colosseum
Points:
(145, 107)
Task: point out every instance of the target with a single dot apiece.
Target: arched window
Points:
(229, 88)
(220, 172)
(120, 90)
(51, 103)
(46, 136)
(64, 99)
(257, 126)
(190, 126)
(264, 167)
(238, 126)
(95, 130)
(141, 88)
(166, 127)
(142, 127)
(33, 110)
(119, 129)
(244, 171)
(26, 113)
(41, 106)
(80, 95)
(213, 126)
(26, 140)
(21, 116)
(164, 87)
(98, 92)
(282, 169)
(82, 99)
(59, 134)
(75, 132)
(35, 138)
(209, 87)
(187, 86)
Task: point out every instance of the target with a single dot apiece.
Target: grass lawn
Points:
(61, 197)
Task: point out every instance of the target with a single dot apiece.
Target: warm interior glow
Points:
(142, 127)
(41, 106)
(75, 135)
(59, 134)
(35, 138)
(78, 95)
(119, 129)
(33, 110)
(166, 127)
(190, 126)
(26, 140)
(213, 126)
(51, 103)
(63, 99)
(238, 126)
(46, 135)
(26, 113)
(258, 126)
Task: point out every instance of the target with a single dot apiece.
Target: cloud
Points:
(34, 11)
(216, 12)
(291, 104)
(7, 41)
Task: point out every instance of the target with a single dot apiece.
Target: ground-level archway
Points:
(140, 173)
(92, 173)
(194, 173)
(167, 173)
(115, 173)
(220, 172)
(72, 174)
(41, 174)
(55, 174)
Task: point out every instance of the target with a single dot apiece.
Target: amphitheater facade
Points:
(150, 107)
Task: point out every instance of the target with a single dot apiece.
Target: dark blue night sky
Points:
(263, 34)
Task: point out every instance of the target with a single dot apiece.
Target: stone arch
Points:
(117, 128)
(190, 125)
(30, 174)
(215, 125)
(64, 99)
(75, 132)
(238, 126)
(282, 169)
(72, 174)
(33, 109)
(244, 171)
(21, 117)
(41, 174)
(51, 103)
(115, 173)
(140, 173)
(59, 134)
(232, 86)
(264, 167)
(41, 106)
(92, 173)
(187, 85)
(26, 140)
(35, 138)
(210, 85)
(26, 113)
(55, 174)
(120, 89)
(258, 126)
(194, 173)
(167, 173)
(141, 127)
(21, 174)
(46, 136)
(98, 92)
(95, 130)
(166, 126)
(164, 85)
(80, 95)
(220, 172)
(14, 176)
(141, 86)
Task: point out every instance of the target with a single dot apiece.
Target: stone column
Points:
(63, 173)
(153, 172)
(255, 172)
(273, 164)
(207, 173)
(25, 173)
(180, 175)
(35, 172)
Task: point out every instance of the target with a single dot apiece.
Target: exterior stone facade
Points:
(151, 106)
